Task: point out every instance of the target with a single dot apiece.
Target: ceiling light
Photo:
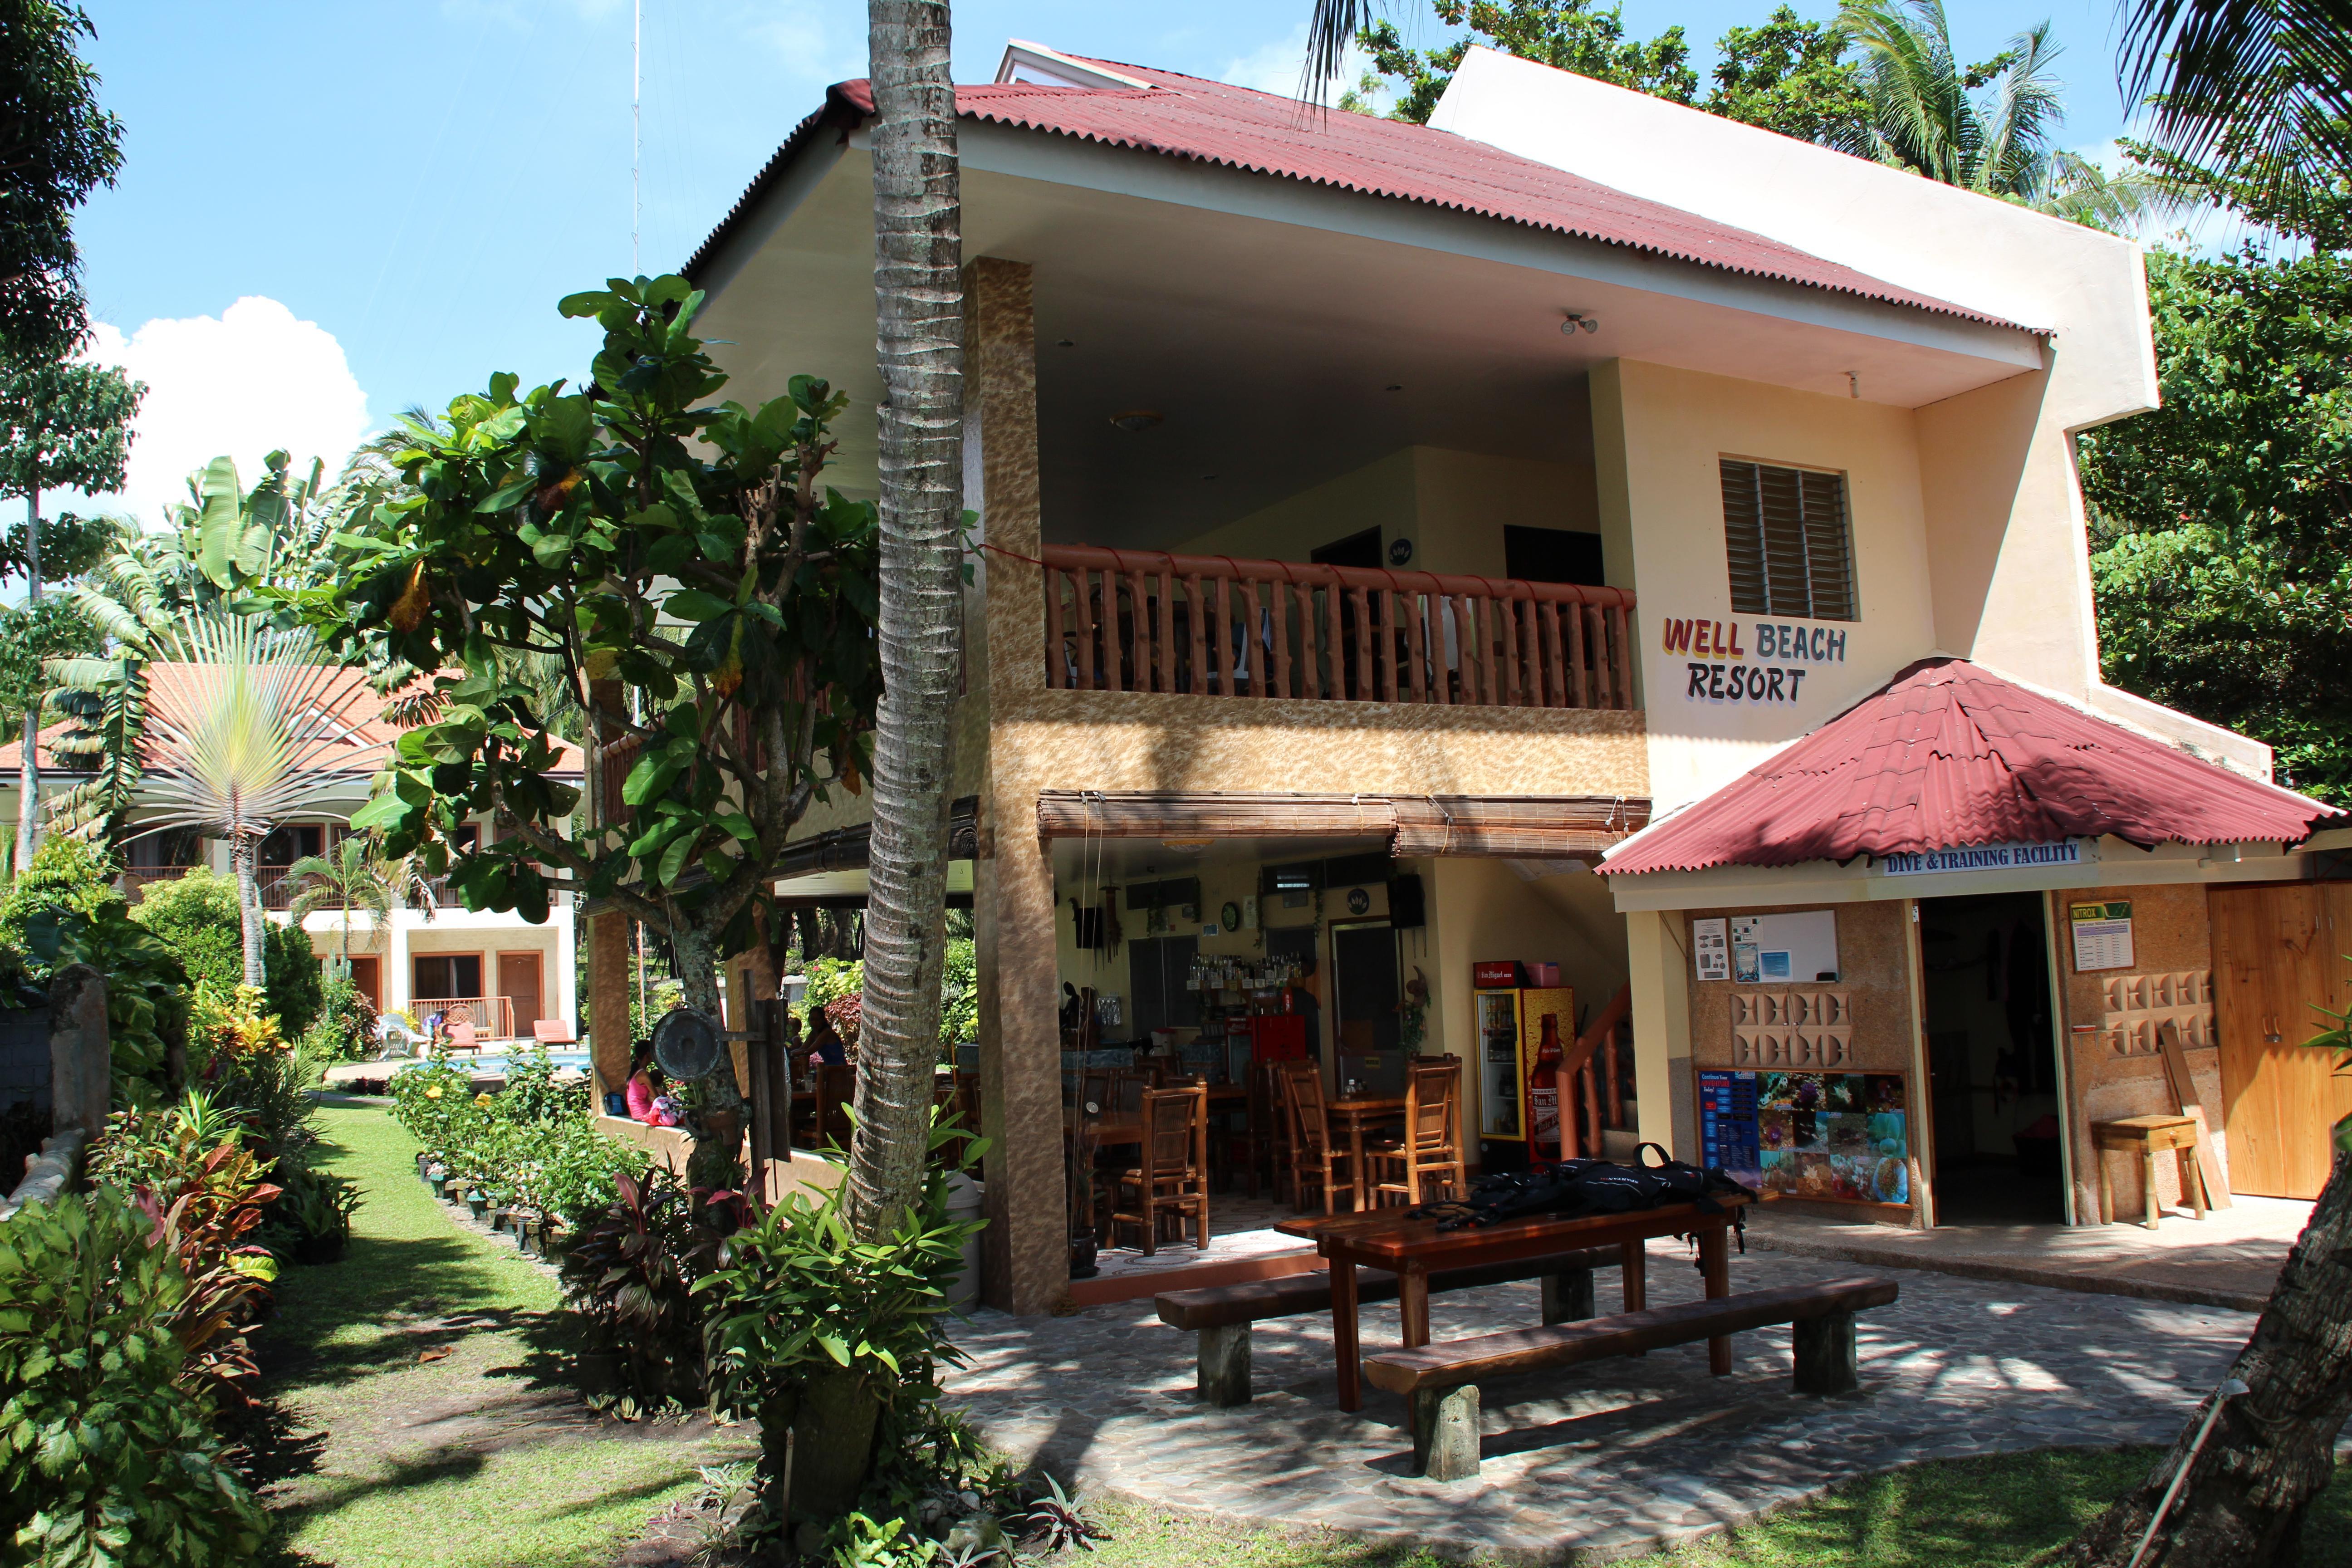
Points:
(1393, 386)
(1579, 319)
(1064, 344)
(1136, 419)
(1186, 846)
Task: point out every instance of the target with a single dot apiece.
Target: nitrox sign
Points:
(1722, 670)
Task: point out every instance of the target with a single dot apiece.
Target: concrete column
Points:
(1660, 978)
(1025, 1262)
(608, 999)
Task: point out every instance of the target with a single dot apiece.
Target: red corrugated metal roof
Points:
(1267, 133)
(346, 702)
(1948, 754)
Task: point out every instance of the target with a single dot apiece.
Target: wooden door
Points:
(518, 983)
(367, 976)
(2278, 954)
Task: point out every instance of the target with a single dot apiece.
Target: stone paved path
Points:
(1615, 1458)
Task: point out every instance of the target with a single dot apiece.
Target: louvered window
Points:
(1790, 549)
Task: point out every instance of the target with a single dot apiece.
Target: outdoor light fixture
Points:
(1579, 319)
(1136, 419)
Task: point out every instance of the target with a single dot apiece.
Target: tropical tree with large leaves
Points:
(702, 597)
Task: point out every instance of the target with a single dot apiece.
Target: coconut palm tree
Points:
(1986, 128)
(2253, 102)
(919, 294)
(354, 878)
(238, 758)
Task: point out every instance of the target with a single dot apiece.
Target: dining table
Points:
(1412, 1245)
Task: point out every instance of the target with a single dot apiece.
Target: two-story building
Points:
(1381, 524)
(432, 956)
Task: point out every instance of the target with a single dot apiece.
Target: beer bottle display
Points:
(1543, 1088)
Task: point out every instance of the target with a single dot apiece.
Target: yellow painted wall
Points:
(1662, 435)
(1451, 505)
(1481, 909)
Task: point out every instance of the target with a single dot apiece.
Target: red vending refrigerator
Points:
(1506, 1018)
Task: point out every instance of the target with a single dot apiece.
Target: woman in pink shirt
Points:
(642, 1092)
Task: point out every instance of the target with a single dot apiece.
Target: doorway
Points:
(518, 983)
(367, 977)
(1365, 991)
(1992, 1059)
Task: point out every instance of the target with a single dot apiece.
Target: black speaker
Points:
(1406, 906)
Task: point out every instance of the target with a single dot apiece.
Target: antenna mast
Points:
(637, 125)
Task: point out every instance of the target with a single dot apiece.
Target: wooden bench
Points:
(1223, 1315)
(1441, 1380)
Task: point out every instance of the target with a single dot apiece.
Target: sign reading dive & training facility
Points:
(1984, 857)
(1722, 669)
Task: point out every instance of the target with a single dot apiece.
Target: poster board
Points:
(2103, 936)
(1781, 950)
(1827, 1137)
(1711, 948)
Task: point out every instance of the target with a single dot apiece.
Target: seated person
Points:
(646, 1103)
(823, 1041)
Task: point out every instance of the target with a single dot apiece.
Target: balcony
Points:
(1140, 620)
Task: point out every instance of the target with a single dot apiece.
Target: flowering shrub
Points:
(107, 1451)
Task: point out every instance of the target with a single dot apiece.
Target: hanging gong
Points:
(686, 1044)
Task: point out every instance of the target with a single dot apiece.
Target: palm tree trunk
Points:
(28, 771)
(918, 296)
(2272, 1448)
(248, 907)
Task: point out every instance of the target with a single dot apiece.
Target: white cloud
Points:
(246, 382)
(1280, 66)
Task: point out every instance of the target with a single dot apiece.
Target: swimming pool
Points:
(487, 1064)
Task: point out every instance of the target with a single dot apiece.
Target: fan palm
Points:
(241, 759)
(354, 878)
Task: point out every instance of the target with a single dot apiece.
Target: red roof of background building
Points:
(1267, 133)
(346, 704)
(1948, 754)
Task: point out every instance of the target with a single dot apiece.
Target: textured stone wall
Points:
(2109, 1073)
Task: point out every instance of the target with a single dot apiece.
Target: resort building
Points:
(1412, 561)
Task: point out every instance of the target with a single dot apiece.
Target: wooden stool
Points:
(2149, 1136)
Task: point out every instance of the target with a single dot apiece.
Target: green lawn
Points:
(476, 1458)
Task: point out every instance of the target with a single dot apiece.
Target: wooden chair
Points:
(1173, 1176)
(837, 1087)
(1315, 1161)
(1429, 1155)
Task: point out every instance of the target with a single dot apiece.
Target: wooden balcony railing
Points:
(1142, 620)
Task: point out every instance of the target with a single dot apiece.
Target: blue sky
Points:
(398, 193)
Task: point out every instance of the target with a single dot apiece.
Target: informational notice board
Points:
(2102, 936)
(1837, 1136)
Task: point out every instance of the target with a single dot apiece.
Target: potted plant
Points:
(478, 1200)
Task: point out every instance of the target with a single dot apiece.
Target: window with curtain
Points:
(1789, 541)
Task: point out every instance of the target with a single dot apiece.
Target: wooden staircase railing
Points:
(1591, 1096)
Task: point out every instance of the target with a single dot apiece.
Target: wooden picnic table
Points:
(1413, 1249)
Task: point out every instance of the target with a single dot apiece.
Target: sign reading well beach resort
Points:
(1724, 669)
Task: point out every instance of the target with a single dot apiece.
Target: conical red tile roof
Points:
(1948, 754)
